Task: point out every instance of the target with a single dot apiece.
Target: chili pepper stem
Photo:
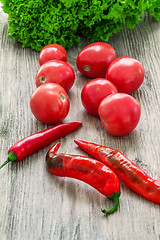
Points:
(115, 197)
(11, 158)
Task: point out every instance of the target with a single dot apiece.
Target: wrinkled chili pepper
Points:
(35, 142)
(88, 170)
(128, 172)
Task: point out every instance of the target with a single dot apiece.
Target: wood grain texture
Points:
(35, 205)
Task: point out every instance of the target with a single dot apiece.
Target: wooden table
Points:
(35, 205)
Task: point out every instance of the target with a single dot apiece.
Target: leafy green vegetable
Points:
(36, 23)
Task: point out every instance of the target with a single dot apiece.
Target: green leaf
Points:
(36, 23)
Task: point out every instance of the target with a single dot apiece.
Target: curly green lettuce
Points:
(36, 23)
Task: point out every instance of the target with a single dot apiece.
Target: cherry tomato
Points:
(94, 92)
(126, 73)
(119, 113)
(57, 72)
(52, 52)
(50, 103)
(95, 58)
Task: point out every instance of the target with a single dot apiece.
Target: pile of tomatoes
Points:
(106, 95)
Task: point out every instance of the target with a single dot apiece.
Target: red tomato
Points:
(57, 72)
(52, 52)
(95, 58)
(126, 73)
(119, 113)
(50, 103)
(94, 92)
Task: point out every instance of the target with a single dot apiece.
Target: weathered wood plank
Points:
(37, 205)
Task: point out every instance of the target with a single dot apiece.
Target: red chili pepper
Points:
(88, 170)
(35, 142)
(128, 172)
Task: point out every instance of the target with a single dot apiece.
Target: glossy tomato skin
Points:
(94, 92)
(50, 103)
(126, 73)
(52, 52)
(95, 58)
(119, 113)
(57, 72)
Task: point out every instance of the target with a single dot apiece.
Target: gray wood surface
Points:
(35, 205)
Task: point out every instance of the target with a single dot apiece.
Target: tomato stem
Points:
(86, 68)
(62, 97)
(104, 122)
(42, 79)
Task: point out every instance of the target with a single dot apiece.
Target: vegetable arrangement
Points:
(109, 97)
(105, 96)
(37, 23)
